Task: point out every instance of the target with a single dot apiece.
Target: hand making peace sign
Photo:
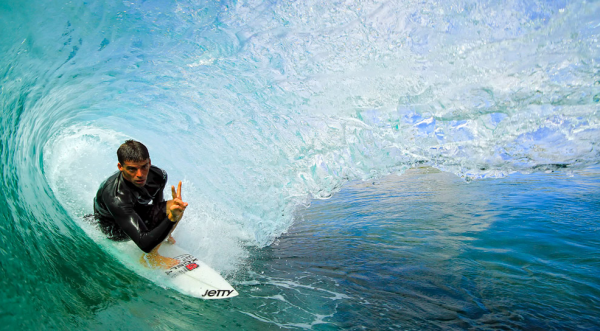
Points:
(176, 207)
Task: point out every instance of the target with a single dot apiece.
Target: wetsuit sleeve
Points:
(131, 223)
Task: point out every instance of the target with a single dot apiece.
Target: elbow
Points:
(145, 244)
(149, 241)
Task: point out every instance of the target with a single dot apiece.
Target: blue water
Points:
(349, 165)
(428, 251)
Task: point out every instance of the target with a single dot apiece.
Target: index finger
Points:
(173, 192)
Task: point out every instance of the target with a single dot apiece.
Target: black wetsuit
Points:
(125, 211)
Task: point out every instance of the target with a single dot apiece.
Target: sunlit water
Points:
(265, 108)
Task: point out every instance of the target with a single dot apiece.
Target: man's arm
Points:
(131, 223)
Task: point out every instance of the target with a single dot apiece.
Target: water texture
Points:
(264, 107)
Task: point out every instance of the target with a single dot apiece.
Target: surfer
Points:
(130, 204)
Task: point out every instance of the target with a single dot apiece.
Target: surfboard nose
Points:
(194, 277)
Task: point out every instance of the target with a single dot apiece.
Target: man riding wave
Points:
(129, 205)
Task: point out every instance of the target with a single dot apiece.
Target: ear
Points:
(120, 166)
(149, 162)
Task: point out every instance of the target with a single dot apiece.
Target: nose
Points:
(139, 173)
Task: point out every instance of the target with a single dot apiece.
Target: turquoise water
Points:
(349, 165)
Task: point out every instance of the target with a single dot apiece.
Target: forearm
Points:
(145, 239)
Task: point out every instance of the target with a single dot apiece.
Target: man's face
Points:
(135, 172)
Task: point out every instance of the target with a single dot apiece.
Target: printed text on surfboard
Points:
(217, 293)
(186, 263)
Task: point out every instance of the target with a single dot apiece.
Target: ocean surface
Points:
(349, 165)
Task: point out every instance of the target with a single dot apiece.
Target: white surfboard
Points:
(191, 276)
(194, 277)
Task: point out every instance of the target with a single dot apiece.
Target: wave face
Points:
(260, 107)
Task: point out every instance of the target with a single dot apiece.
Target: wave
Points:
(260, 107)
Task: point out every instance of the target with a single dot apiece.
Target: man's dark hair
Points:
(132, 150)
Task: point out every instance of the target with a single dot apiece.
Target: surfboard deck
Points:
(191, 276)
(194, 277)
